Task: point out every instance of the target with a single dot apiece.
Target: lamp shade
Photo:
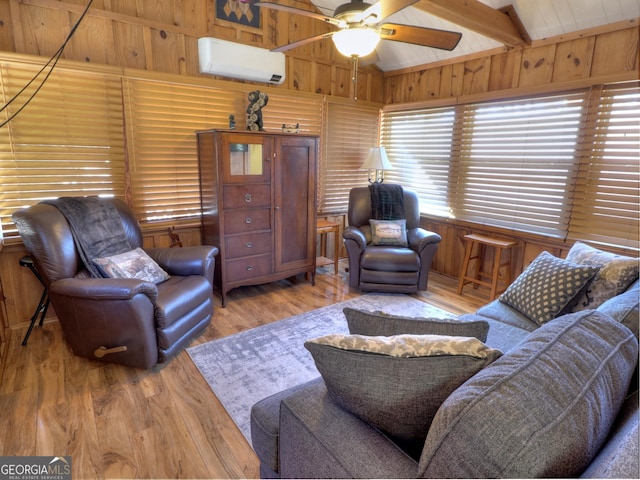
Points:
(355, 42)
(377, 160)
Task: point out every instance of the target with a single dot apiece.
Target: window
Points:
(518, 161)
(608, 185)
(350, 131)
(67, 142)
(563, 165)
(162, 118)
(419, 144)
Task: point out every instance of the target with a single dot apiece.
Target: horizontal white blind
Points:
(67, 142)
(518, 161)
(608, 186)
(419, 145)
(162, 118)
(351, 129)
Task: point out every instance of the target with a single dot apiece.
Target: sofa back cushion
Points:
(543, 409)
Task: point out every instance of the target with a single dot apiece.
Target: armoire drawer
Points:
(246, 196)
(248, 267)
(248, 244)
(243, 221)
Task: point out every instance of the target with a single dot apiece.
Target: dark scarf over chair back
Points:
(387, 201)
(96, 226)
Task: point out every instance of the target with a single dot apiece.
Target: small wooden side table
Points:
(324, 227)
(494, 276)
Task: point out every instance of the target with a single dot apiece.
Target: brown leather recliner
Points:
(120, 320)
(387, 268)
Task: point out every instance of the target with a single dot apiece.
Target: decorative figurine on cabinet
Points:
(257, 100)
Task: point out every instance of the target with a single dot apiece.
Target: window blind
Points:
(351, 130)
(607, 188)
(162, 118)
(67, 142)
(518, 160)
(419, 145)
(291, 110)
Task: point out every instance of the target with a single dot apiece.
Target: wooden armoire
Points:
(258, 193)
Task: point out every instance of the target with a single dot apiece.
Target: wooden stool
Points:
(494, 276)
(324, 227)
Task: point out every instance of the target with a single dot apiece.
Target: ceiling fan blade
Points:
(299, 11)
(427, 37)
(304, 41)
(383, 9)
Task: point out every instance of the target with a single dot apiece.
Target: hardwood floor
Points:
(120, 422)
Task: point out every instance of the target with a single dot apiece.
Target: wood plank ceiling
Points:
(485, 27)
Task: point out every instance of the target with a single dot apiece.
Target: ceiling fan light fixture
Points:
(356, 42)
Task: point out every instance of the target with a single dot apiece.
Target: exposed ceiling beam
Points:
(476, 16)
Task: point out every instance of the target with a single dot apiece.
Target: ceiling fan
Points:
(361, 26)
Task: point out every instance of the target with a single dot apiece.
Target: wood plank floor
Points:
(120, 422)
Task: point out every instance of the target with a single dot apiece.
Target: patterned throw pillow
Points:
(616, 273)
(361, 322)
(397, 383)
(132, 264)
(547, 287)
(389, 232)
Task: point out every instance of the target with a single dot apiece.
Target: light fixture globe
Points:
(355, 42)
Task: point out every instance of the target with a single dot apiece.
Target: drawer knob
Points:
(249, 245)
(249, 268)
(248, 220)
(247, 197)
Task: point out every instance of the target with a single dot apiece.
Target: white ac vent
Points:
(242, 62)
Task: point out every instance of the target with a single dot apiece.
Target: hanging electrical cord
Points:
(53, 62)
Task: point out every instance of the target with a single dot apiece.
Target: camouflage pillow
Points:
(132, 264)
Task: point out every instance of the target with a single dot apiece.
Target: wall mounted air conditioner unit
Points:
(243, 62)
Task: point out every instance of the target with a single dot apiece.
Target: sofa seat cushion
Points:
(397, 383)
(383, 324)
(544, 409)
(390, 259)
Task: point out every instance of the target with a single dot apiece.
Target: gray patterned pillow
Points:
(132, 264)
(397, 383)
(547, 287)
(616, 273)
(389, 232)
(379, 323)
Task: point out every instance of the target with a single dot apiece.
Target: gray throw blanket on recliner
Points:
(96, 226)
(387, 201)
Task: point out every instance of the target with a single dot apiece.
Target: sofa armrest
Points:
(185, 261)
(318, 439)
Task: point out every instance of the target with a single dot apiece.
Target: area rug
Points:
(246, 367)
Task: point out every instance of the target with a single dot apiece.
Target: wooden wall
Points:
(601, 55)
(162, 35)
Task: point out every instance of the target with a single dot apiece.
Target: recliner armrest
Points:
(103, 288)
(355, 234)
(419, 238)
(184, 261)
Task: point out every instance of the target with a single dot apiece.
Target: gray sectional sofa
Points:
(561, 400)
